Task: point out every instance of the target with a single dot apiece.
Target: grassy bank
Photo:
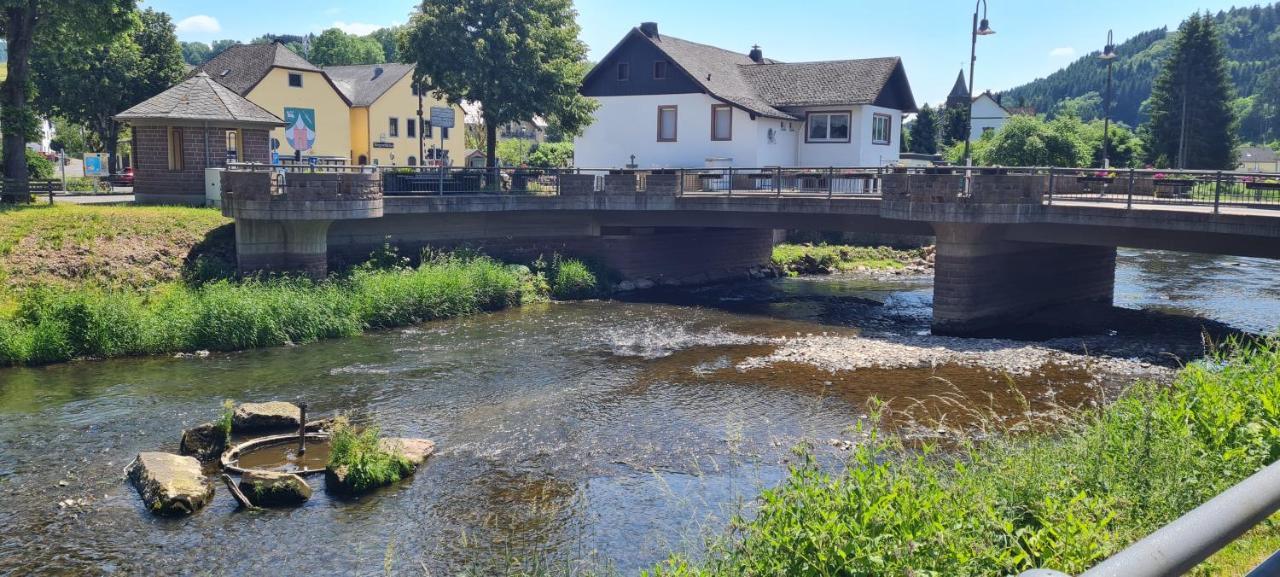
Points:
(1064, 501)
(797, 259)
(97, 282)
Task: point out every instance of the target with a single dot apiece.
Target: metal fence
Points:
(1166, 187)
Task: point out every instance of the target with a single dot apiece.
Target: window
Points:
(828, 127)
(624, 71)
(881, 129)
(721, 122)
(660, 70)
(393, 129)
(413, 161)
(176, 153)
(426, 128)
(295, 80)
(411, 128)
(666, 124)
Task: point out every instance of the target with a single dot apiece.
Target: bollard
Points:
(302, 430)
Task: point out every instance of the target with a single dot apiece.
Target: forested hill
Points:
(1251, 37)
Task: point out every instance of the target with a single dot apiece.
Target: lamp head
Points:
(1108, 53)
(984, 29)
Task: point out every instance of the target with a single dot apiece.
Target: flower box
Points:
(1262, 185)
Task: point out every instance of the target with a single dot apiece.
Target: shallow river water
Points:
(599, 434)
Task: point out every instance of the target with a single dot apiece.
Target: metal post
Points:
(680, 191)
(730, 177)
(1129, 203)
(302, 429)
(1050, 185)
(830, 171)
(440, 186)
(1217, 191)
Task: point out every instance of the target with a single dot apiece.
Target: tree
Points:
(955, 125)
(333, 47)
(517, 58)
(76, 24)
(1192, 123)
(924, 132)
(195, 53)
(220, 46)
(73, 139)
(1029, 141)
(92, 86)
(389, 39)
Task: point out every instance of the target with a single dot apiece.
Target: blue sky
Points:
(1033, 38)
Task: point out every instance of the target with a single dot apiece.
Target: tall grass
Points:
(1064, 501)
(52, 325)
(796, 259)
(368, 464)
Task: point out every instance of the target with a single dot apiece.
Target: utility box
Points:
(213, 187)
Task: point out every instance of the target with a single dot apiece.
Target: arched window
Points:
(363, 159)
(413, 161)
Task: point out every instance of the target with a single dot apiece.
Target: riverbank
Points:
(823, 259)
(1064, 501)
(102, 282)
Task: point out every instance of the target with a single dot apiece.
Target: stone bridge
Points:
(1007, 246)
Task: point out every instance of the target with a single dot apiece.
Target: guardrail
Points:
(1127, 187)
(1179, 546)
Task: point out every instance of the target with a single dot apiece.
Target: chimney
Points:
(756, 54)
(649, 29)
(377, 71)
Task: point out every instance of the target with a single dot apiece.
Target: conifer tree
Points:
(1192, 122)
(924, 133)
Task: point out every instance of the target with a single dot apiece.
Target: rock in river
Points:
(205, 442)
(273, 489)
(339, 479)
(170, 484)
(263, 417)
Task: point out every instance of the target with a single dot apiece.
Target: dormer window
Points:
(624, 71)
(295, 80)
(660, 70)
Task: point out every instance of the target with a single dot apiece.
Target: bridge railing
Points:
(1216, 189)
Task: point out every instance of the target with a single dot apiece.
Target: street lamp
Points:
(1108, 55)
(979, 29)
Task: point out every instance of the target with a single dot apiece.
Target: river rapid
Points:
(582, 436)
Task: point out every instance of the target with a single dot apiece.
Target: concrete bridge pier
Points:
(984, 282)
(283, 246)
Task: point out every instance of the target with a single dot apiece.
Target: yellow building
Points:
(316, 113)
(385, 127)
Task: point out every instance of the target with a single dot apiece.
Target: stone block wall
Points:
(155, 183)
(577, 184)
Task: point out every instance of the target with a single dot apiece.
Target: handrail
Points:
(1179, 546)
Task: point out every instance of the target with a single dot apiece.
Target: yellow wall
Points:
(399, 102)
(333, 116)
(359, 133)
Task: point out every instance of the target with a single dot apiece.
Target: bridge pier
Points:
(984, 282)
(283, 246)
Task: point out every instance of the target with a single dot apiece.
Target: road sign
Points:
(441, 117)
(95, 164)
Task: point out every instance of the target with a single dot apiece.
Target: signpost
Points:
(95, 164)
(442, 118)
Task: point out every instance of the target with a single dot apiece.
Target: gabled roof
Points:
(768, 87)
(243, 66)
(364, 84)
(473, 114)
(199, 98)
(996, 101)
(959, 91)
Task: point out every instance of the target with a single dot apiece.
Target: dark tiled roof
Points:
(769, 87)
(959, 90)
(200, 98)
(719, 71)
(821, 83)
(241, 67)
(364, 84)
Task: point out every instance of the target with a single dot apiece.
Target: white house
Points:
(988, 115)
(671, 103)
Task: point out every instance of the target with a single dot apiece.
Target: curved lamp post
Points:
(982, 28)
(1108, 55)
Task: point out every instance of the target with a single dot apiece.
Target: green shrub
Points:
(1065, 500)
(368, 465)
(79, 184)
(571, 279)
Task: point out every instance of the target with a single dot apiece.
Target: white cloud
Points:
(199, 24)
(357, 28)
(1063, 52)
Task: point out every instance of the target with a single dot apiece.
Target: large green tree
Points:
(78, 25)
(195, 53)
(955, 125)
(92, 86)
(924, 131)
(1192, 122)
(389, 39)
(333, 47)
(518, 58)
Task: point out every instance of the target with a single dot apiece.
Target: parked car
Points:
(124, 178)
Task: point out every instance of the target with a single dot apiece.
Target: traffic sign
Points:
(441, 117)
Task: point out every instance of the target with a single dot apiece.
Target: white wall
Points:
(627, 125)
(782, 150)
(987, 114)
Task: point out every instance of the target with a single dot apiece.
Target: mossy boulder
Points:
(274, 489)
(170, 484)
(402, 457)
(266, 417)
(415, 450)
(204, 442)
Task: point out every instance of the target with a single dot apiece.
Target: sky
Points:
(1033, 37)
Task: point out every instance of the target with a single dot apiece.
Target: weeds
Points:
(797, 259)
(367, 463)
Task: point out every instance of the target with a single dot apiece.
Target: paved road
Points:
(95, 199)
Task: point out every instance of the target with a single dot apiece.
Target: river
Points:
(572, 436)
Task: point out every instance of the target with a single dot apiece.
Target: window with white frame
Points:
(881, 129)
(828, 127)
(666, 124)
(393, 127)
(721, 122)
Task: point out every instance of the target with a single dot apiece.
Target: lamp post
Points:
(982, 28)
(1108, 55)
